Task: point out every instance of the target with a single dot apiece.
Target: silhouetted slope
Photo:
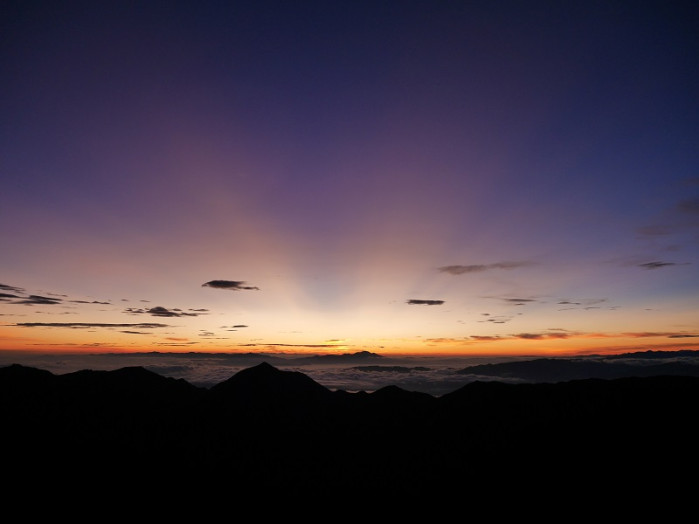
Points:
(561, 370)
(270, 431)
(17, 379)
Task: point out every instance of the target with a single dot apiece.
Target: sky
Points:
(403, 177)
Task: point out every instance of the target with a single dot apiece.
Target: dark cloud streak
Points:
(233, 285)
(478, 268)
(656, 265)
(159, 311)
(416, 302)
(32, 300)
(80, 325)
(13, 289)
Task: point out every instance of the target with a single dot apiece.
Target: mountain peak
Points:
(266, 382)
(265, 367)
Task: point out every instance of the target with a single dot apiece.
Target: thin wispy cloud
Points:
(18, 295)
(479, 268)
(12, 289)
(518, 301)
(564, 334)
(656, 230)
(33, 300)
(231, 285)
(690, 205)
(421, 302)
(496, 319)
(582, 303)
(541, 336)
(273, 345)
(682, 217)
(81, 325)
(657, 265)
(485, 338)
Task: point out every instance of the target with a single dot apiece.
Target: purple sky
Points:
(437, 177)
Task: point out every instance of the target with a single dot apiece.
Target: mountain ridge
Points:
(282, 432)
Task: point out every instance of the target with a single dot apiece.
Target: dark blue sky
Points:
(340, 156)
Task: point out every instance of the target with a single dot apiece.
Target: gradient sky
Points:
(394, 176)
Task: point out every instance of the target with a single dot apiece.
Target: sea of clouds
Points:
(432, 375)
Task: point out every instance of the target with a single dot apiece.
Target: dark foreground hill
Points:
(272, 431)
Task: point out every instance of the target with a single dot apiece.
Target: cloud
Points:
(175, 344)
(159, 311)
(240, 326)
(518, 301)
(646, 334)
(584, 303)
(8, 295)
(233, 285)
(415, 301)
(199, 310)
(497, 319)
(445, 340)
(79, 325)
(564, 334)
(91, 302)
(334, 346)
(690, 206)
(656, 230)
(13, 289)
(681, 217)
(39, 300)
(477, 268)
(541, 336)
(656, 265)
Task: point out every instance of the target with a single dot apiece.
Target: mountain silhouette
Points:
(265, 382)
(269, 431)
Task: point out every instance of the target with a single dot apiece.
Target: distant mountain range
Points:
(642, 364)
(265, 430)
(270, 358)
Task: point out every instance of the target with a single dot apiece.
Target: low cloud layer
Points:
(232, 285)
